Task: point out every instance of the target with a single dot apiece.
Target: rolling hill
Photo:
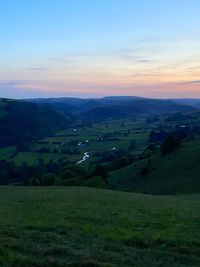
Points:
(175, 173)
(24, 122)
(81, 105)
(137, 106)
(115, 107)
(194, 102)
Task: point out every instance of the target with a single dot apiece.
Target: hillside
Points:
(194, 102)
(174, 173)
(53, 227)
(115, 107)
(137, 106)
(22, 122)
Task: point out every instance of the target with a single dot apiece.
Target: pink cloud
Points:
(30, 88)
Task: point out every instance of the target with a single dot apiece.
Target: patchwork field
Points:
(68, 226)
(101, 137)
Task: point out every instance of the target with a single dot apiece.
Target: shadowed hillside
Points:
(111, 107)
(176, 172)
(22, 122)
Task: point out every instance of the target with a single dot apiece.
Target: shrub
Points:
(170, 144)
(48, 179)
(145, 170)
(96, 181)
(34, 181)
(101, 171)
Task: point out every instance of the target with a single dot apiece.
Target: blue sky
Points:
(104, 47)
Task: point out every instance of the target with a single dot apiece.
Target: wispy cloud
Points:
(145, 61)
(193, 82)
(134, 56)
(42, 88)
(38, 68)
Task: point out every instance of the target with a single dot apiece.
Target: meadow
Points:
(77, 226)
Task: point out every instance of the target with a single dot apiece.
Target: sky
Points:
(94, 48)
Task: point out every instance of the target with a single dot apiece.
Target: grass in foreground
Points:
(91, 227)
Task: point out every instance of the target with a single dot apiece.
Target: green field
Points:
(5, 153)
(124, 130)
(33, 157)
(68, 226)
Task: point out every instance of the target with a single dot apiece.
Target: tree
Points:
(146, 169)
(48, 179)
(57, 181)
(132, 145)
(34, 181)
(157, 136)
(101, 171)
(23, 146)
(170, 144)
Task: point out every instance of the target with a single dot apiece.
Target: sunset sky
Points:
(93, 48)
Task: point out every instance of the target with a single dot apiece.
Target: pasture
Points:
(68, 226)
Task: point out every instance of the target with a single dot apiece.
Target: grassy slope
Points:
(90, 227)
(177, 172)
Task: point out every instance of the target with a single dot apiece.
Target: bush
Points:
(145, 170)
(34, 181)
(132, 146)
(96, 181)
(57, 181)
(170, 144)
(48, 179)
(101, 171)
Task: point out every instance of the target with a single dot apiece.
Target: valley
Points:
(120, 190)
(99, 133)
(121, 152)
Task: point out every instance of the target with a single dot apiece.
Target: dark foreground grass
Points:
(89, 227)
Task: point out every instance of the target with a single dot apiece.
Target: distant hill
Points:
(81, 105)
(69, 104)
(178, 172)
(136, 106)
(194, 102)
(23, 122)
(115, 106)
